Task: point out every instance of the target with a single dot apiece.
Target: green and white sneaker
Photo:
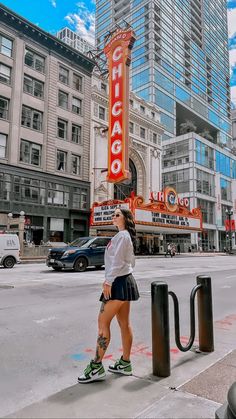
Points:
(121, 367)
(93, 372)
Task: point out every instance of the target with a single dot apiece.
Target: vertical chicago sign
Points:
(118, 52)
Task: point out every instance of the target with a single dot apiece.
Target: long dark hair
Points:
(129, 224)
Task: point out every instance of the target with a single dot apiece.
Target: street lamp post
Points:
(229, 213)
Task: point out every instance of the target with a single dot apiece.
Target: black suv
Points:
(78, 255)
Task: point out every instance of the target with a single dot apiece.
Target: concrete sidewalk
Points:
(196, 388)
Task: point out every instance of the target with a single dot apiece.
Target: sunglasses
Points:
(116, 215)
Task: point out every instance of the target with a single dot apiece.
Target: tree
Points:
(206, 134)
(187, 126)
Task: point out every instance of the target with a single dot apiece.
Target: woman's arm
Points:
(118, 260)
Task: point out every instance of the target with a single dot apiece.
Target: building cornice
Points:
(17, 22)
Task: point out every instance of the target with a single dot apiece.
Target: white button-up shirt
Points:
(119, 256)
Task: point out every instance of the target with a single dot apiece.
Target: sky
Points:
(52, 15)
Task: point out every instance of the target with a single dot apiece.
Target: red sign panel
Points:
(118, 52)
(230, 225)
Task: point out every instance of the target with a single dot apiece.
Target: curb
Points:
(29, 261)
(181, 256)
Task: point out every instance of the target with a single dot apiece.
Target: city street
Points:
(48, 320)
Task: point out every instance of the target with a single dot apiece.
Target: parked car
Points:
(9, 250)
(81, 253)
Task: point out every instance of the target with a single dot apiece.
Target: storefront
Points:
(164, 217)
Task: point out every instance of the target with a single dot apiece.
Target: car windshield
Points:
(81, 242)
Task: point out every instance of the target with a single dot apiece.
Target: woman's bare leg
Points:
(108, 310)
(125, 328)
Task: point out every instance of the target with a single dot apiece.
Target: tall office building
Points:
(74, 40)
(179, 62)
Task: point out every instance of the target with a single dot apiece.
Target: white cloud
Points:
(83, 22)
(53, 3)
(233, 94)
(232, 22)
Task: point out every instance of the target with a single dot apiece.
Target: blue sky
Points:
(52, 15)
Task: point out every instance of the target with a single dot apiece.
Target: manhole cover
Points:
(6, 287)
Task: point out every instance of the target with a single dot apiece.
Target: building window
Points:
(75, 165)
(204, 155)
(179, 180)
(34, 60)
(30, 153)
(61, 160)
(142, 108)
(5, 46)
(153, 115)
(80, 198)
(142, 132)
(131, 127)
(63, 75)
(76, 105)
(30, 190)
(102, 113)
(5, 74)
(104, 87)
(123, 190)
(33, 87)
(58, 195)
(4, 107)
(77, 82)
(31, 118)
(3, 146)
(205, 183)
(76, 134)
(5, 187)
(223, 164)
(63, 99)
(62, 129)
(154, 138)
(225, 187)
(207, 209)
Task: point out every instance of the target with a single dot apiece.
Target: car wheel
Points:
(9, 262)
(57, 268)
(80, 264)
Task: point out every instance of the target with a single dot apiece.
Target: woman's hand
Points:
(106, 290)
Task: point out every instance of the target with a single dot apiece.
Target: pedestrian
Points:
(119, 288)
(168, 250)
(178, 248)
(173, 250)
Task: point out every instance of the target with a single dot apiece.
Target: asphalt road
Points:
(48, 319)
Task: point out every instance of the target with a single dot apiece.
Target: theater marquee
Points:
(165, 211)
(118, 52)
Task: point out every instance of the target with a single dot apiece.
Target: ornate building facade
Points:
(145, 132)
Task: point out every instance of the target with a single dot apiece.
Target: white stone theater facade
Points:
(157, 215)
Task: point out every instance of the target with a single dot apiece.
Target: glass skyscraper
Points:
(179, 61)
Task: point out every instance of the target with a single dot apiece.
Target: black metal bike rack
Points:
(160, 322)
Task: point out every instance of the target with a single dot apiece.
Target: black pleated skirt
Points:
(124, 288)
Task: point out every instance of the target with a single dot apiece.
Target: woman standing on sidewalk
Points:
(119, 288)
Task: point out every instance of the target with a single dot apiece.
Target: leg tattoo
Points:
(102, 345)
(102, 342)
(103, 307)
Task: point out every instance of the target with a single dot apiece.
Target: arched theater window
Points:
(124, 189)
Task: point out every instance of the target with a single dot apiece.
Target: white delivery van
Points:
(9, 250)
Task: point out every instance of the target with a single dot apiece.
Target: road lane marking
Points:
(41, 321)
